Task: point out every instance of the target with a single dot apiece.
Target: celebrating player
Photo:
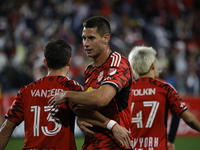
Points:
(108, 83)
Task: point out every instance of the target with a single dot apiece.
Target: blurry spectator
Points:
(172, 27)
(3, 61)
(192, 83)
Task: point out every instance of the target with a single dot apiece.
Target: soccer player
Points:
(108, 83)
(30, 105)
(151, 100)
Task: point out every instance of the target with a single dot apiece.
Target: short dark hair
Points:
(57, 53)
(102, 24)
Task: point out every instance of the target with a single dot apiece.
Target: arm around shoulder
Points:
(98, 97)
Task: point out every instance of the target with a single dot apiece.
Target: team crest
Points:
(182, 104)
(100, 77)
(112, 71)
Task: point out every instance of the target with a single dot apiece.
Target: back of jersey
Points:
(149, 115)
(42, 130)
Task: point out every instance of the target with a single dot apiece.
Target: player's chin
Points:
(89, 54)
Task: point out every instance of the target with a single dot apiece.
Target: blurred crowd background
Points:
(172, 27)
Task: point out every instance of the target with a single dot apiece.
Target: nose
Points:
(85, 43)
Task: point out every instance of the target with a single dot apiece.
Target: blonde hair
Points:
(141, 58)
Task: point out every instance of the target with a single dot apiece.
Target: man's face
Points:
(93, 43)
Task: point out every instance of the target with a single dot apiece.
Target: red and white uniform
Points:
(31, 106)
(116, 71)
(151, 101)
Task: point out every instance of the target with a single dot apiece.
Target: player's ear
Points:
(69, 62)
(153, 66)
(45, 63)
(106, 38)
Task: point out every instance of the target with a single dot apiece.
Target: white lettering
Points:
(135, 142)
(141, 141)
(37, 93)
(156, 142)
(145, 142)
(52, 92)
(32, 92)
(150, 141)
(45, 93)
(142, 92)
(48, 93)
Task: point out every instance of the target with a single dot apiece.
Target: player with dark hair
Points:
(108, 83)
(152, 98)
(42, 131)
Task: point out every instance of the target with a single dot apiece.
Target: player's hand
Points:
(170, 146)
(54, 112)
(59, 98)
(121, 135)
(84, 127)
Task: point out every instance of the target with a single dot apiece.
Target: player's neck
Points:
(102, 57)
(60, 72)
(150, 74)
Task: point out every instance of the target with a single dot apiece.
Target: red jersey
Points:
(116, 71)
(31, 106)
(151, 100)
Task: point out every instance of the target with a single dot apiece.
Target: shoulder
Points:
(118, 60)
(71, 84)
(165, 85)
(163, 82)
(156, 82)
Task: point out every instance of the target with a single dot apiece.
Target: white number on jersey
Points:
(138, 119)
(36, 124)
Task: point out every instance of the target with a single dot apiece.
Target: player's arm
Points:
(120, 133)
(97, 97)
(186, 115)
(5, 132)
(191, 120)
(172, 132)
(91, 116)
(87, 115)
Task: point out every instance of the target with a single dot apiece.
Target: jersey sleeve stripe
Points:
(109, 82)
(116, 59)
(75, 83)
